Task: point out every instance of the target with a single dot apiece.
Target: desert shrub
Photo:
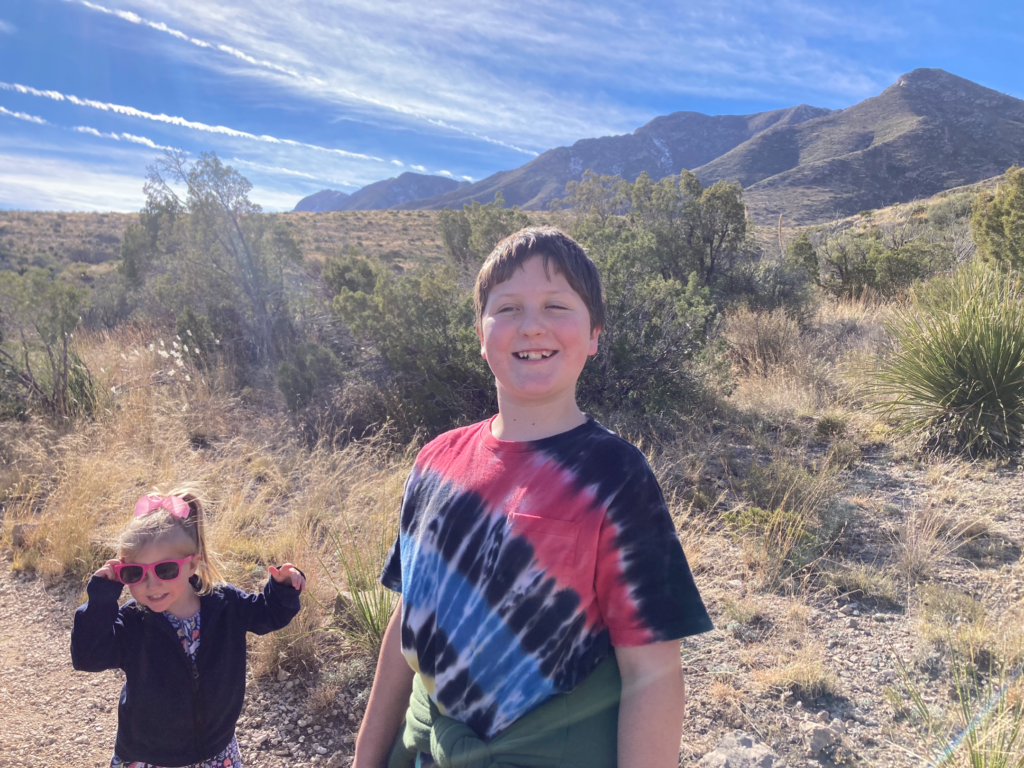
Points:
(311, 368)
(422, 353)
(39, 361)
(761, 341)
(469, 235)
(956, 376)
(767, 284)
(997, 222)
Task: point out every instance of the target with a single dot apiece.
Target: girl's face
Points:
(176, 595)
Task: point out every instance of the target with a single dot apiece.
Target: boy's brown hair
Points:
(558, 250)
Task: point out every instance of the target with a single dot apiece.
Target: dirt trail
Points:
(51, 715)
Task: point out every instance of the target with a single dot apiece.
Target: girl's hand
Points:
(288, 574)
(107, 571)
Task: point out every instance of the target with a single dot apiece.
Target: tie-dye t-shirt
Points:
(521, 563)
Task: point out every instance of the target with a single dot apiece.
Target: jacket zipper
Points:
(193, 670)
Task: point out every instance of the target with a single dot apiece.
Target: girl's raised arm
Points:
(98, 635)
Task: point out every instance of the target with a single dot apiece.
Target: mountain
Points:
(928, 132)
(388, 193)
(324, 200)
(661, 147)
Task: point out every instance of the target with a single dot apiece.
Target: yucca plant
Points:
(367, 603)
(956, 377)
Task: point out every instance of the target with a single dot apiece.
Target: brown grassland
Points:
(852, 579)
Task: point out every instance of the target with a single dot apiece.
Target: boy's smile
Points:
(535, 335)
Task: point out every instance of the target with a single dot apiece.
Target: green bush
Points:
(997, 222)
(957, 374)
(421, 349)
(311, 368)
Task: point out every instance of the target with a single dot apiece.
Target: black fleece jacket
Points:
(171, 713)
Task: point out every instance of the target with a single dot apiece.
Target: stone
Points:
(741, 750)
(338, 760)
(880, 617)
(852, 623)
(818, 737)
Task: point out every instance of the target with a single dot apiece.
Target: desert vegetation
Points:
(834, 414)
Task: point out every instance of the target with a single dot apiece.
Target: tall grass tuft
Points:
(957, 375)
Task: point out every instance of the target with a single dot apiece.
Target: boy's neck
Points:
(524, 423)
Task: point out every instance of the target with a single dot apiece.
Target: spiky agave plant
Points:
(956, 377)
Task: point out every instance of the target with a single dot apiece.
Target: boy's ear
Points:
(592, 346)
(480, 335)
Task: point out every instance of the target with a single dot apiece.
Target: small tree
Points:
(211, 250)
(997, 221)
(469, 235)
(38, 317)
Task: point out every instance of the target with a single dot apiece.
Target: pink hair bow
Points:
(150, 503)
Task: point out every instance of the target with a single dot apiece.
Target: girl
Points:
(180, 642)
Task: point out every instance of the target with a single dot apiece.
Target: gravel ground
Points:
(51, 715)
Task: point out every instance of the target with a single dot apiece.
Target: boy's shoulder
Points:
(453, 439)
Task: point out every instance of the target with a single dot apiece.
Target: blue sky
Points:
(302, 95)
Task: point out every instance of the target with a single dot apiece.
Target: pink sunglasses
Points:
(165, 570)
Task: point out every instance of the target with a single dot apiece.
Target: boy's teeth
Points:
(534, 355)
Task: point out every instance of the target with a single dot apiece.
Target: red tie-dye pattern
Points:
(530, 483)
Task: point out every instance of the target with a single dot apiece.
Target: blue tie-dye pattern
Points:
(497, 661)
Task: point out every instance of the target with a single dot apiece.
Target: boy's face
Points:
(535, 335)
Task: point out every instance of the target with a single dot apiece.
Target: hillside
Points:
(388, 193)
(661, 147)
(928, 132)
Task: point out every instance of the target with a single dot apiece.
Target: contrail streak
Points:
(23, 116)
(134, 18)
(118, 136)
(179, 121)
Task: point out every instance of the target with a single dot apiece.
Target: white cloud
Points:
(399, 163)
(446, 173)
(529, 74)
(7, 28)
(23, 116)
(61, 184)
(467, 178)
(178, 121)
(134, 18)
(278, 171)
(420, 168)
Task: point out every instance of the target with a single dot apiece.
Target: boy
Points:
(531, 545)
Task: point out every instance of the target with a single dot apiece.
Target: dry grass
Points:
(269, 499)
(925, 539)
(785, 372)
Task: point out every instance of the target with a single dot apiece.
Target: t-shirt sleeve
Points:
(391, 576)
(645, 589)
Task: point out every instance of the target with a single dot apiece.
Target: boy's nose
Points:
(531, 323)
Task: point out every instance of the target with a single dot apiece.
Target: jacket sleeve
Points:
(271, 609)
(98, 637)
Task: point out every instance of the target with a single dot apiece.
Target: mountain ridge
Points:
(379, 195)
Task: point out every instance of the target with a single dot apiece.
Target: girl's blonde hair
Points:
(160, 523)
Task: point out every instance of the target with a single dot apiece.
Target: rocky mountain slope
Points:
(928, 132)
(662, 147)
(388, 193)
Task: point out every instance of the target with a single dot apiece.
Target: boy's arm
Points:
(389, 699)
(652, 707)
